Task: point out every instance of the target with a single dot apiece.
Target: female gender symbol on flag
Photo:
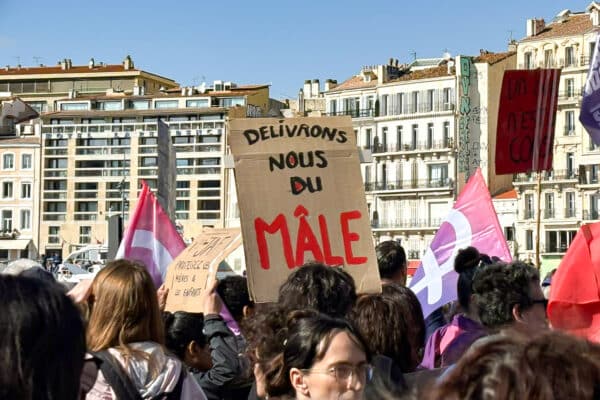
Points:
(471, 222)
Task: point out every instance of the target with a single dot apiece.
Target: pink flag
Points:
(471, 222)
(151, 237)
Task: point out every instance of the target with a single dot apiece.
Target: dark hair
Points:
(464, 264)
(309, 335)
(393, 322)
(563, 367)
(181, 328)
(499, 287)
(42, 344)
(316, 286)
(488, 370)
(234, 293)
(391, 258)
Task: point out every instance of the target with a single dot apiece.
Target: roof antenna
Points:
(413, 54)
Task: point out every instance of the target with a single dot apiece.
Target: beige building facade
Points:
(570, 192)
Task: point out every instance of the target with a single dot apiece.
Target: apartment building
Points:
(19, 202)
(428, 126)
(98, 149)
(570, 192)
(41, 86)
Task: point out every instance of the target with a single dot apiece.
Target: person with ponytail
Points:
(447, 344)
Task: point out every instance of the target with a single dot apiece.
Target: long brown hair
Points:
(124, 309)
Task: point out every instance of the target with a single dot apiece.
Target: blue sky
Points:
(281, 43)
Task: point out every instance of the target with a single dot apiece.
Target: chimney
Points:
(91, 63)
(63, 64)
(68, 62)
(128, 63)
(183, 91)
(512, 45)
(330, 84)
(316, 88)
(535, 26)
(307, 89)
(594, 10)
(7, 67)
(301, 102)
(381, 74)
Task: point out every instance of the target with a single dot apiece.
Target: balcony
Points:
(549, 213)
(362, 113)
(570, 213)
(446, 144)
(409, 185)
(591, 215)
(569, 130)
(85, 216)
(528, 214)
(406, 223)
(547, 176)
(570, 94)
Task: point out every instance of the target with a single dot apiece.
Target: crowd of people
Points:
(321, 340)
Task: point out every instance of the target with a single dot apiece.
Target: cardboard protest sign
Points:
(526, 120)
(301, 198)
(189, 274)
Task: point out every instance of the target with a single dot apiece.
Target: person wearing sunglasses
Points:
(509, 298)
(322, 358)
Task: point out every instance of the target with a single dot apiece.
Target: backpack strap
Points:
(176, 393)
(116, 377)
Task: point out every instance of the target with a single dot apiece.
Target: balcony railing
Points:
(570, 212)
(570, 94)
(362, 113)
(552, 175)
(569, 130)
(406, 223)
(590, 215)
(528, 214)
(549, 213)
(407, 185)
(419, 146)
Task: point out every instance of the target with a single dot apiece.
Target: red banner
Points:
(526, 120)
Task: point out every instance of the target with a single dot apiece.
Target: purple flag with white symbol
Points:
(589, 115)
(471, 222)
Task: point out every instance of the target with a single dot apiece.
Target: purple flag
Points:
(471, 222)
(589, 115)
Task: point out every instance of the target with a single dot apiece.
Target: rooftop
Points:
(492, 58)
(509, 195)
(356, 82)
(426, 73)
(568, 25)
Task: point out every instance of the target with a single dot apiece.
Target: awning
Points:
(14, 244)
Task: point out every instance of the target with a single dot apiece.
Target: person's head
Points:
(42, 343)
(563, 367)
(234, 293)
(316, 286)
(184, 337)
(490, 369)
(393, 323)
(391, 259)
(124, 307)
(323, 358)
(509, 295)
(464, 264)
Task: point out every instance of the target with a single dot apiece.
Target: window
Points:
(86, 206)
(54, 234)
(232, 102)
(383, 109)
(528, 206)
(8, 161)
(569, 88)
(438, 175)
(7, 220)
(528, 60)
(7, 190)
(414, 132)
(55, 206)
(85, 234)
(447, 134)
(430, 135)
(197, 103)
(594, 173)
(570, 203)
(592, 49)
(548, 62)
(333, 107)
(166, 104)
(110, 105)
(569, 58)
(149, 161)
(430, 100)
(39, 106)
(415, 101)
(569, 123)
(74, 106)
(399, 103)
(26, 161)
(446, 98)
(368, 139)
(25, 219)
(570, 165)
(529, 239)
(509, 233)
(26, 190)
(398, 137)
(140, 104)
(549, 211)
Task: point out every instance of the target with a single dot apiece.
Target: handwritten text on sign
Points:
(301, 198)
(526, 120)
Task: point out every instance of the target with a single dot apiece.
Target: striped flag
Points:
(151, 237)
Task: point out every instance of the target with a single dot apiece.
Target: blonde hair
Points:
(125, 308)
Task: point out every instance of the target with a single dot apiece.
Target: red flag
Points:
(526, 120)
(574, 295)
(151, 237)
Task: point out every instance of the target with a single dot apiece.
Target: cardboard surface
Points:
(189, 274)
(301, 198)
(526, 120)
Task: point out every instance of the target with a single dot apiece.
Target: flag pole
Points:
(538, 220)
